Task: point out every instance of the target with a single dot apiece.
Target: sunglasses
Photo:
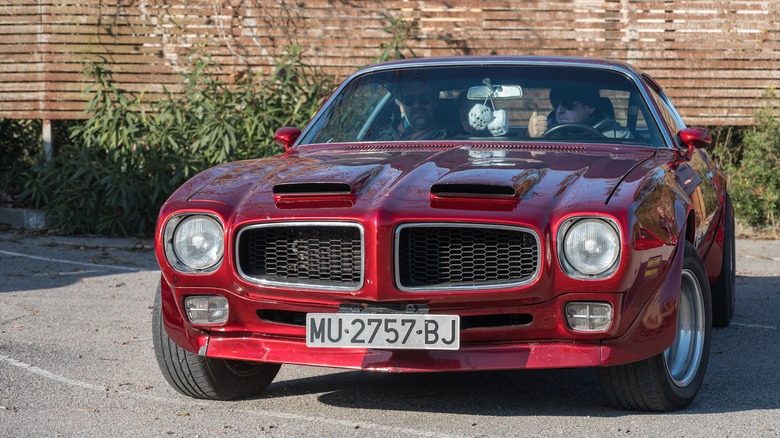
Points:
(568, 105)
(422, 99)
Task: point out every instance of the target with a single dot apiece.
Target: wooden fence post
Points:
(47, 140)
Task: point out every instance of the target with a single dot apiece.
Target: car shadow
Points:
(488, 393)
(743, 374)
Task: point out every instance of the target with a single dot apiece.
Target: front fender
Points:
(656, 327)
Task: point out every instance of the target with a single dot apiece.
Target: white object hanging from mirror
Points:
(482, 116)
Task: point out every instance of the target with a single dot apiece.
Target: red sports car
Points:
(468, 213)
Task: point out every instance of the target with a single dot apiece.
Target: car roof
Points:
(506, 60)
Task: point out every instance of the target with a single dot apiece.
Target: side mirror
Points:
(285, 137)
(693, 138)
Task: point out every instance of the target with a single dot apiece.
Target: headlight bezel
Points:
(175, 260)
(564, 258)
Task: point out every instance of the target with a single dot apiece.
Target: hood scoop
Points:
(330, 185)
(474, 196)
(313, 195)
(473, 190)
(312, 188)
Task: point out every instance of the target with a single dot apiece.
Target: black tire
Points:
(670, 381)
(724, 296)
(202, 377)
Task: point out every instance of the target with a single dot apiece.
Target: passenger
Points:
(577, 105)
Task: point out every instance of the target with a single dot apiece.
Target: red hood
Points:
(364, 178)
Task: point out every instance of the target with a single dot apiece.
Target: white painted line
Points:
(64, 274)
(351, 425)
(49, 375)
(70, 262)
(756, 326)
(751, 256)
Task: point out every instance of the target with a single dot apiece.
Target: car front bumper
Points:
(547, 342)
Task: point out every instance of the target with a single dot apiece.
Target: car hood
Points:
(419, 177)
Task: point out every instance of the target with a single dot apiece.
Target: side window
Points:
(352, 113)
(669, 114)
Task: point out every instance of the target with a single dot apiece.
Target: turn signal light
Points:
(206, 309)
(589, 317)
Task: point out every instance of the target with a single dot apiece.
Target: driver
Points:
(417, 102)
(579, 105)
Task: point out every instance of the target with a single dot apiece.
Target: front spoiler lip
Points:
(510, 356)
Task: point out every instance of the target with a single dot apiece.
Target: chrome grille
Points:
(455, 256)
(309, 255)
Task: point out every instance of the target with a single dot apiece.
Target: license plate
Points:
(390, 331)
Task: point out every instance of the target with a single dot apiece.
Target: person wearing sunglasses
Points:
(577, 105)
(417, 102)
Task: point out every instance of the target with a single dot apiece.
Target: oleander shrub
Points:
(752, 164)
(123, 162)
(19, 145)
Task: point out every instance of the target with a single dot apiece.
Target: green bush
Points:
(401, 31)
(128, 157)
(19, 145)
(100, 181)
(755, 180)
(213, 122)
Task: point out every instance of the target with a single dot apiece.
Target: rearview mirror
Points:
(495, 92)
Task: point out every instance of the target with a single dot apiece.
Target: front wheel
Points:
(203, 377)
(670, 380)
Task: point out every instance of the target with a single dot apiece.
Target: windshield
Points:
(487, 103)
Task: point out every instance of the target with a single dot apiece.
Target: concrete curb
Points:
(24, 218)
(21, 219)
(80, 242)
(89, 242)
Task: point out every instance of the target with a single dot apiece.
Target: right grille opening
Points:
(442, 256)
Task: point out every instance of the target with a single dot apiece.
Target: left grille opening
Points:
(328, 256)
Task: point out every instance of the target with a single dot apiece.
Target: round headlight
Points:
(198, 242)
(591, 246)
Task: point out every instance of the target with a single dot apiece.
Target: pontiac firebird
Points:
(381, 242)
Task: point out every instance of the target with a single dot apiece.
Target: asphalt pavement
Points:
(76, 359)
